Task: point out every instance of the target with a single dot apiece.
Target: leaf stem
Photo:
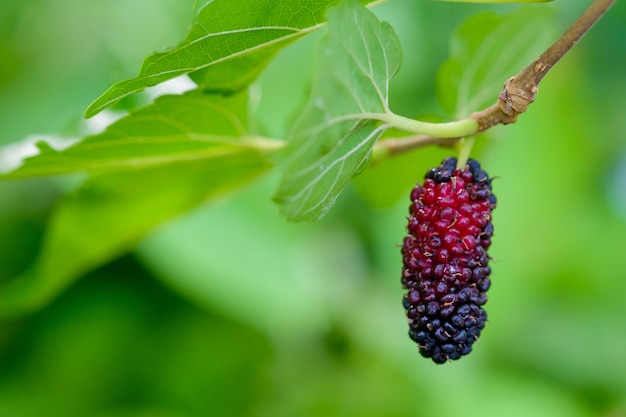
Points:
(458, 128)
(264, 144)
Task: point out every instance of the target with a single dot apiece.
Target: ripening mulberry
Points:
(445, 261)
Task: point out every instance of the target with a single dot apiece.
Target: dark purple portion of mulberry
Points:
(446, 265)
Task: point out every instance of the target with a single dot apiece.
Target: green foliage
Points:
(333, 137)
(228, 45)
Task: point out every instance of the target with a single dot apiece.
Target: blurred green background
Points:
(230, 311)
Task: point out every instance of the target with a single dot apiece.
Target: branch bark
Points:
(520, 90)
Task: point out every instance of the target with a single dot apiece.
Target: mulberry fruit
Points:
(445, 261)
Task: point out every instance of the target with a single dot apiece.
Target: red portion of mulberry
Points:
(445, 260)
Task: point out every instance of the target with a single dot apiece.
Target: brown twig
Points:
(520, 90)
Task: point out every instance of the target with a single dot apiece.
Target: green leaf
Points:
(230, 42)
(485, 51)
(333, 137)
(149, 166)
(109, 214)
(173, 130)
